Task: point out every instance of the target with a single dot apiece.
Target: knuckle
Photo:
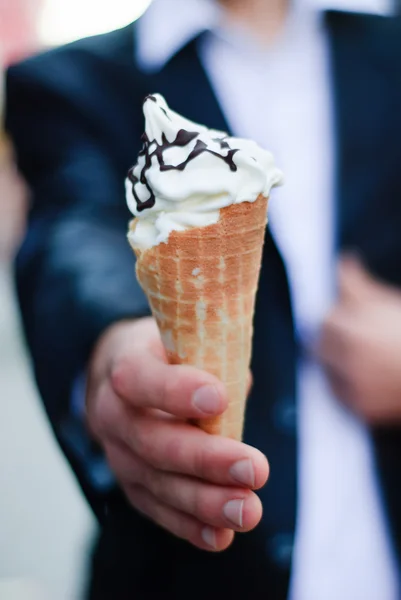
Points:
(176, 452)
(151, 481)
(120, 371)
(141, 443)
(117, 377)
(168, 391)
(196, 503)
(198, 463)
(204, 506)
(174, 390)
(100, 415)
(166, 488)
(202, 461)
(144, 443)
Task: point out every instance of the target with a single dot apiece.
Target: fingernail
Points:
(207, 399)
(233, 511)
(243, 472)
(209, 537)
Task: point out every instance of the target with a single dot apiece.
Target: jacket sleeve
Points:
(75, 270)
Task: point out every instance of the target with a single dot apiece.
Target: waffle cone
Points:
(201, 287)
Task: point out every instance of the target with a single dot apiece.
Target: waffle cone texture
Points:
(201, 285)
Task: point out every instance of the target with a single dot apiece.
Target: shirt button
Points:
(280, 549)
(285, 415)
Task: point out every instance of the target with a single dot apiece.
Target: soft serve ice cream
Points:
(186, 173)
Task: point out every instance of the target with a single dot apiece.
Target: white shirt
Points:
(281, 97)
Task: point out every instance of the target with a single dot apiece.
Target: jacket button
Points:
(285, 415)
(280, 548)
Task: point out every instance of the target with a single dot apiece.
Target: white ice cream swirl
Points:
(186, 173)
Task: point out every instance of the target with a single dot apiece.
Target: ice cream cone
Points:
(201, 285)
(200, 201)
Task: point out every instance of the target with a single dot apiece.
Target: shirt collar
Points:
(168, 25)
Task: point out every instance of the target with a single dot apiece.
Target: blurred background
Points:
(41, 558)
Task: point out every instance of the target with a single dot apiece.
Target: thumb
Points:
(354, 281)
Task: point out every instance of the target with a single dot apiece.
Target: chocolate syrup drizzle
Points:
(183, 139)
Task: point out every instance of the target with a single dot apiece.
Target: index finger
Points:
(144, 380)
(170, 445)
